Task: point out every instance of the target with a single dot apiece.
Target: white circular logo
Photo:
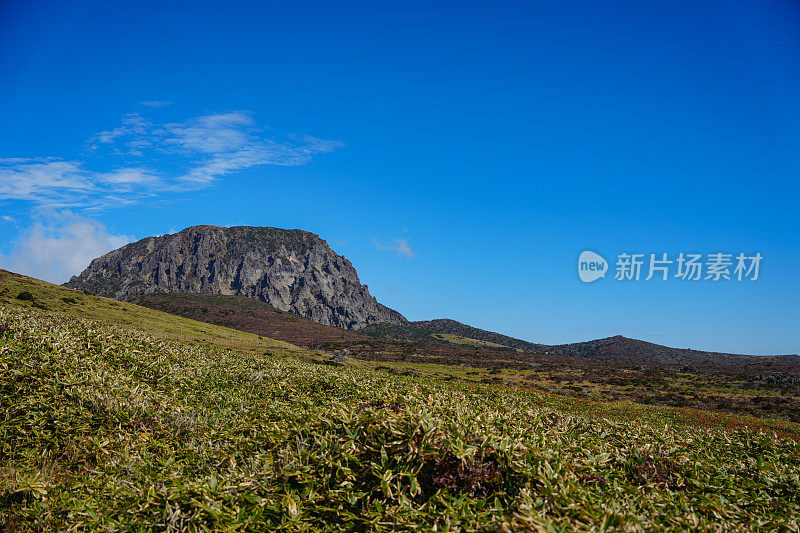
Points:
(591, 266)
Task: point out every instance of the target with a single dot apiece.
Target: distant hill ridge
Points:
(429, 330)
(623, 347)
(613, 348)
(292, 270)
(446, 325)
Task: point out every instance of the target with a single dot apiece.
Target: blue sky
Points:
(461, 155)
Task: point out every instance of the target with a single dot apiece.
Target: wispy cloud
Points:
(9, 220)
(12, 160)
(231, 141)
(60, 184)
(155, 103)
(149, 159)
(58, 245)
(399, 245)
(132, 125)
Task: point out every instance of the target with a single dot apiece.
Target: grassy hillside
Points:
(764, 387)
(103, 427)
(21, 291)
(452, 327)
(619, 347)
(248, 314)
(412, 333)
(445, 332)
(467, 341)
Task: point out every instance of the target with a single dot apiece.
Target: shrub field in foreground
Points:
(105, 428)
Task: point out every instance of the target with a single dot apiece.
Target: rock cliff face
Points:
(292, 270)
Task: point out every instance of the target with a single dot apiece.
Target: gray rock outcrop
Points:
(292, 270)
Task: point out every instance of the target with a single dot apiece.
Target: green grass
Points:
(76, 303)
(458, 339)
(106, 428)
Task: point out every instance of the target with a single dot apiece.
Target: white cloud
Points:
(43, 182)
(399, 245)
(9, 219)
(214, 134)
(10, 160)
(155, 103)
(130, 176)
(132, 124)
(230, 141)
(60, 245)
(180, 156)
(66, 184)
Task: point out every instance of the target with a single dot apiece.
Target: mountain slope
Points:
(616, 348)
(253, 316)
(247, 314)
(619, 347)
(22, 292)
(446, 331)
(292, 270)
(451, 327)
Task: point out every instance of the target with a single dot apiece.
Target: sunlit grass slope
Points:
(48, 296)
(105, 428)
(458, 339)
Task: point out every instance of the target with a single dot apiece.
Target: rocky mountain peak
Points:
(292, 270)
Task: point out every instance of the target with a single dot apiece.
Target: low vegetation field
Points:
(105, 427)
(635, 371)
